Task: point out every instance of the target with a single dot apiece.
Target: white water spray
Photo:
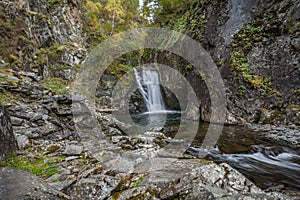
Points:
(150, 89)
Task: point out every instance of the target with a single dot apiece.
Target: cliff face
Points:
(256, 47)
(44, 35)
(254, 43)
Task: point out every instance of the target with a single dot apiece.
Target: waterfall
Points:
(149, 87)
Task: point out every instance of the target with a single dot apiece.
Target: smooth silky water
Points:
(264, 163)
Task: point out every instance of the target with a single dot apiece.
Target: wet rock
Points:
(105, 102)
(18, 184)
(91, 171)
(22, 115)
(282, 135)
(31, 75)
(276, 188)
(8, 143)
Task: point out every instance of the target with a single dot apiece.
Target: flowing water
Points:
(264, 163)
(149, 87)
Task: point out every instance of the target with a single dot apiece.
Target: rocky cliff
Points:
(44, 36)
(254, 43)
(256, 46)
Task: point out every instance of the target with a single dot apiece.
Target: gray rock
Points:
(94, 188)
(62, 185)
(31, 75)
(192, 112)
(16, 121)
(73, 150)
(13, 78)
(191, 179)
(134, 193)
(227, 178)
(70, 158)
(18, 184)
(8, 143)
(23, 141)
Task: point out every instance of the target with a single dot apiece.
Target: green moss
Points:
(55, 180)
(295, 106)
(57, 85)
(202, 75)
(29, 149)
(37, 167)
(118, 69)
(53, 3)
(188, 68)
(51, 171)
(50, 56)
(12, 31)
(242, 89)
(62, 66)
(137, 182)
(243, 43)
(7, 97)
(7, 80)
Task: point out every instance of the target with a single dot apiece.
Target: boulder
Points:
(8, 143)
(18, 184)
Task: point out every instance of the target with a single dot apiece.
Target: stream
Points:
(270, 166)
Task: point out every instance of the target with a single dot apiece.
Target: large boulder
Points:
(8, 143)
(18, 184)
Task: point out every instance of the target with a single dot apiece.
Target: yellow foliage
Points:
(93, 7)
(115, 7)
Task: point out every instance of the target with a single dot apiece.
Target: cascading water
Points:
(149, 87)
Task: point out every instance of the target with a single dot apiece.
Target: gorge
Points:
(45, 46)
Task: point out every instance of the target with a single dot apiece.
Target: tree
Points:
(106, 17)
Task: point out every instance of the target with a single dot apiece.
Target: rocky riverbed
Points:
(254, 44)
(44, 129)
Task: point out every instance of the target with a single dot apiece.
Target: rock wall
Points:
(43, 36)
(8, 143)
(255, 44)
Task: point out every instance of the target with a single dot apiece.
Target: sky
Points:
(141, 3)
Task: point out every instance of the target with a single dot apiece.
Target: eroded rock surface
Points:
(8, 143)
(18, 184)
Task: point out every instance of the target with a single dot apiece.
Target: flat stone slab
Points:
(19, 184)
